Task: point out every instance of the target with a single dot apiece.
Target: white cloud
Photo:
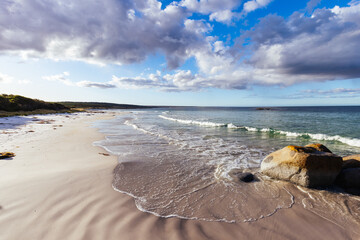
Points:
(64, 79)
(5, 78)
(95, 84)
(209, 6)
(220, 11)
(255, 4)
(224, 16)
(197, 26)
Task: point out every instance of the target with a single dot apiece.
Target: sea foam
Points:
(316, 136)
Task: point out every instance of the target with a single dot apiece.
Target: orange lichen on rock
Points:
(301, 149)
(295, 148)
(319, 147)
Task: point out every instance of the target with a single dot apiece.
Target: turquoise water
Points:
(176, 162)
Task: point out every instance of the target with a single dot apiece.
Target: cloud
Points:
(302, 49)
(95, 84)
(349, 91)
(252, 5)
(331, 93)
(108, 31)
(220, 11)
(209, 6)
(5, 78)
(179, 81)
(277, 51)
(224, 16)
(310, 6)
(64, 79)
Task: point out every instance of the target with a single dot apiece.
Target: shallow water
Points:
(177, 163)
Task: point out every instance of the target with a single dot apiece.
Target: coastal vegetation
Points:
(101, 105)
(14, 105)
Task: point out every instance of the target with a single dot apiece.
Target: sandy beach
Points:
(59, 186)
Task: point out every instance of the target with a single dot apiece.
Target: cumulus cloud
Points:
(281, 51)
(107, 31)
(221, 11)
(302, 49)
(255, 4)
(179, 81)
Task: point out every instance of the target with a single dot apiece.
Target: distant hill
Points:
(11, 105)
(14, 103)
(101, 105)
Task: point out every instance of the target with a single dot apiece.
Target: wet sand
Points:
(59, 187)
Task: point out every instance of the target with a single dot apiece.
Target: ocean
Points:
(179, 162)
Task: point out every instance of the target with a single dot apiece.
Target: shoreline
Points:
(59, 187)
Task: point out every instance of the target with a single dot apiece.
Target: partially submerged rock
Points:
(305, 166)
(4, 155)
(352, 161)
(238, 175)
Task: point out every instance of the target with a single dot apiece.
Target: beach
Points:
(59, 186)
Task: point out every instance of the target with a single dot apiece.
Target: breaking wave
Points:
(316, 136)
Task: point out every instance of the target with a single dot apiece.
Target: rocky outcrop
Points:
(352, 161)
(305, 166)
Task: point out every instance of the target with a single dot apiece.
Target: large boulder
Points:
(349, 179)
(305, 166)
(352, 161)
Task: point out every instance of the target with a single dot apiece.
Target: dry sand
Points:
(59, 187)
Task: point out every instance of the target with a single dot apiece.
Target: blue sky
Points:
(188, 52)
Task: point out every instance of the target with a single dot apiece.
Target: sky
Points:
(185, 52)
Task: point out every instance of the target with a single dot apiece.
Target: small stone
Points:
(246, 177)
(238, 175)
(5, 155)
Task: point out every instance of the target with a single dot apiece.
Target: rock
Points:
(305, 166)
(4, 155)
(264, 108)
(352, 161)
(319, 147)
(239, 176)
(246, 177)
(349, 178)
